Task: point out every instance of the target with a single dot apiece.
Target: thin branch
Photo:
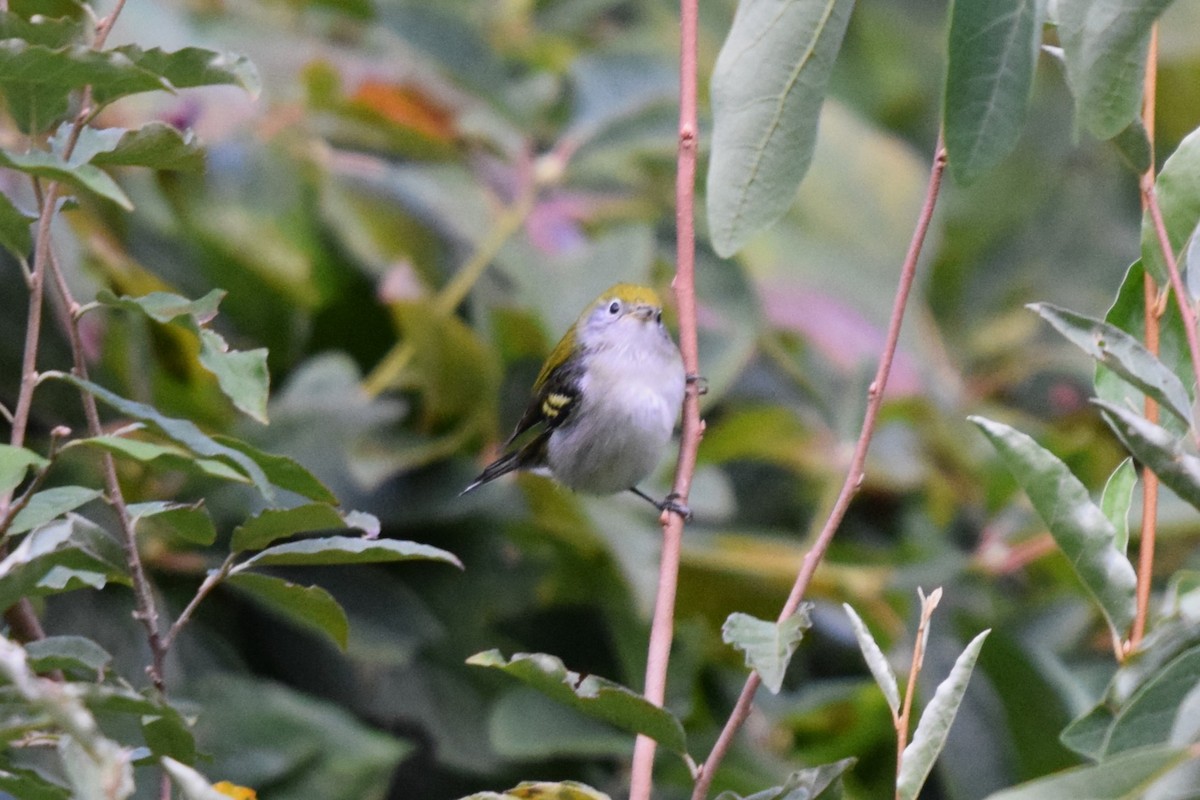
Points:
(663, 624)
(903, 721)
(210, 582)
(856, 472)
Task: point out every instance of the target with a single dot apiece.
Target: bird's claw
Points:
(671, 503)
(699, 381)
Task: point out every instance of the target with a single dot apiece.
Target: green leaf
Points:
(156, 145)
(1116, 499)
(1123, 354)
(44, 28)
(346, 550)
(168, 734)
(877, 662)
(1079, 527)
(805, 784)
(173, 455)
(166, 307)
(180, 431)
(59, 556)
(989, 80)
(310, 606)
(1178, 190)
(68, 653)
(934, 727)
(767, 88)
(1148, 717)
(1126, 777)
(14, 463)
(86, 177)
(1104, 47)
(1086, 734)
(284, 472)
(768, 645)
(1158, 449)
(264, 528)
(192, 785)
(15, 236)
(50, 503)
(189, 522)
(189, 68)
(590, 695)
(1133, 145)
(29, 785)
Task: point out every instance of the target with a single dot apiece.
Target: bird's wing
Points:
(555, 396)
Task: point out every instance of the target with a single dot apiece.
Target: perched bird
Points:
(605, 402)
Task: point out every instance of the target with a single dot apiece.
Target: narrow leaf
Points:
(767, 88)
(591, 695)
(1116, 499)
(284, 472)
(1126, 777)
(934, 727)
(805, 784)
(170, 454)
(310, 606)
(166, 307)
(876, 661)
(1079, 527)
(989, 80)
(50, 503)
(1104, 47)
(768, 646)
(1158, 449)
(1123, 354)
(259, 531)
(1178, 191)
(346, 550)
(15, 235)
(14, 463)
(85, 177)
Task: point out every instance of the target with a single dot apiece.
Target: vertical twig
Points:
(855, 473)
(903, 720)
(662, 626)
(1151, 312)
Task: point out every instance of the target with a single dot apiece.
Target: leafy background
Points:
(390, 141)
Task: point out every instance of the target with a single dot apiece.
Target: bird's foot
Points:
(671, 503)
(699, 381)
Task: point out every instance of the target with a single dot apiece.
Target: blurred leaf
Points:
(284, 472)
(1123, 354)
(189, 522)
(271, 524)
(71, 546)
(97, 770)
(155, 145)
(29, 785)
(989, 80)
(806, 784)
(1116, 499)
(1080, 528)
(767, 88)
(610, 88)
(406, 106)
(262, 734)
(1158, 449)
(310, 606)
(1126, 777)
(166, 307)
(14, 463)
(180, 431)
(86, 177)
(1191, 265)
(1178, 191)
(936, 719)
(1104, 46)
(525, 724)
(192, 785)
(1087, 734)
(46, 27)
(50, 503)
(1133, 145)
(591, 695)
(68, 653)
(877, 662)
(15, 236)
(768, 646)
(1148, 717)
(346, 550)
(184, 69)
(149, 452)
(168, 734)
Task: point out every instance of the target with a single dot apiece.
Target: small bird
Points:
(605, 402)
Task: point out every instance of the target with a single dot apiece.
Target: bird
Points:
(605, 402)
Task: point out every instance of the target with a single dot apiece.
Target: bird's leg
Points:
(669, 504)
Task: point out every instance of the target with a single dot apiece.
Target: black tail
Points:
(501, 466)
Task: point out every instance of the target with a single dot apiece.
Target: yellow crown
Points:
(631, 294)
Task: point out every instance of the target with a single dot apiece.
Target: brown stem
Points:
(855, 474)
(928, 604)
(210, 582)
(1150, 301)
(662, 626)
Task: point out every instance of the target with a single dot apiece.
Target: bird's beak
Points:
(644, 312)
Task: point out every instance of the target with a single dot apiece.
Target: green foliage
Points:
(768, 646)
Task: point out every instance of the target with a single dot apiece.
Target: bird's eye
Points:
(615, 308)
(658, 316)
